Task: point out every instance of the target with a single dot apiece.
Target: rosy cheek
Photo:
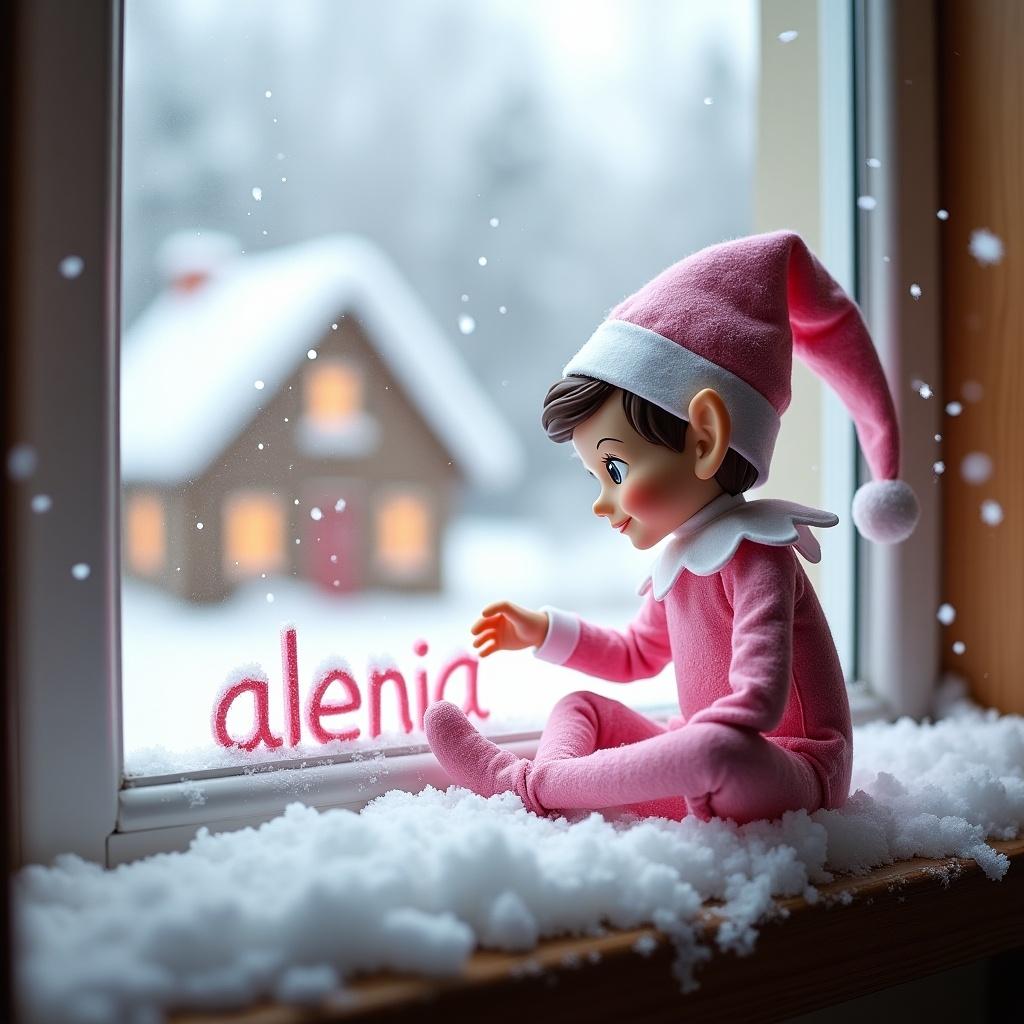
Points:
(641, 497)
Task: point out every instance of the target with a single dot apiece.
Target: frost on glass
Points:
(360, 242)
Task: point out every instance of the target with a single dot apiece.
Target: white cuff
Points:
(563, 635)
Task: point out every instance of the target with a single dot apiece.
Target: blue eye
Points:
(617, 469)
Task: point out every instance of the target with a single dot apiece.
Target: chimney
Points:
(187, 260)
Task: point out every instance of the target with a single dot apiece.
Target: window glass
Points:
(360, 242)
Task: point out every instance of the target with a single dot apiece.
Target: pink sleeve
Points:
(636, 652)
(760, 583)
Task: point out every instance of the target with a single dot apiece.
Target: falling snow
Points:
(915, 291)
(315, 513)
(942, 214)
(954, 408)
(494, 222)
(339, 505)
(991, 512)
(924, 390)
(788, 36)
(873, 162)
(258, 385)
(482, 261)
(21, 462)
(71, 267)
(946, 614)
(938, 468)
(41, 503)
(959, 647)
(985, 247)
(867, 202)
(80, 571)
(467, 325)
(311, 354)
(257, 194)
(976, 467)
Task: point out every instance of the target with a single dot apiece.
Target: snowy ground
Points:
(176, 656)
(414, 883)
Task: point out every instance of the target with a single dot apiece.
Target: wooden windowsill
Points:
(901, 922)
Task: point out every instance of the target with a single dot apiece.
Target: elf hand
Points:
(508, 627)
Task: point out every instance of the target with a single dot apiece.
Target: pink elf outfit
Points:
(765, 720)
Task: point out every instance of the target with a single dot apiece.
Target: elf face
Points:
(647, 490)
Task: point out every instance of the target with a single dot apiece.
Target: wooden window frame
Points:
(66, 145)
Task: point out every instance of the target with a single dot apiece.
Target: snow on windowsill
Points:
(295, 908)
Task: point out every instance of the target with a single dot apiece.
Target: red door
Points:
(334, 511)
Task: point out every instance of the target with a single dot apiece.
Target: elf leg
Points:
(582, 722)
(721, 770)
(578, 724)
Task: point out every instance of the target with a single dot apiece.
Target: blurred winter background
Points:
(523, 164)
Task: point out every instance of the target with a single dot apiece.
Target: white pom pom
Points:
(885, 511)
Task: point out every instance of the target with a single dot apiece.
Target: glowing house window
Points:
(334, 394)
(146, 534)
(254, 534)
(404, 535)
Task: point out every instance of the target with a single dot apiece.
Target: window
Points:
(404, 536)
(513, 134)
(336, 424)
(333, 394)
(254, 534)
(365, 363)
(145, 533)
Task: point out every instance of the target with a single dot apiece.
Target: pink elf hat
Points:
(729, 318)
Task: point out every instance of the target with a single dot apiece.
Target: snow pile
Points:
(416, 882)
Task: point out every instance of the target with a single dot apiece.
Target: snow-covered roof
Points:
(191, 360)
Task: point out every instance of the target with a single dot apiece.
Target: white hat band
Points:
(669, 375)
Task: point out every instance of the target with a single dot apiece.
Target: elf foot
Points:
(472, 760)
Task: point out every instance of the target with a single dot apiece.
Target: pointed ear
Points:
(709, 432)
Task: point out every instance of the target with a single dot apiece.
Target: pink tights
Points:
(596, 753)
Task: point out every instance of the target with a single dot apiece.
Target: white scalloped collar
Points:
(709, 538)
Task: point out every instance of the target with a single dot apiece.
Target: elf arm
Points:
(636, 652)
(760, 583)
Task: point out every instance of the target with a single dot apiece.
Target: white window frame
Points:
(66, 761)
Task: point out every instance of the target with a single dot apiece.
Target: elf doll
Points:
(674, 405)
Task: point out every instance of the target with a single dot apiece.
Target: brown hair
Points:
(574, 399)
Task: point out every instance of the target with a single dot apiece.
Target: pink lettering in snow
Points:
(260, 690)
(252, 681)
(317, 708)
